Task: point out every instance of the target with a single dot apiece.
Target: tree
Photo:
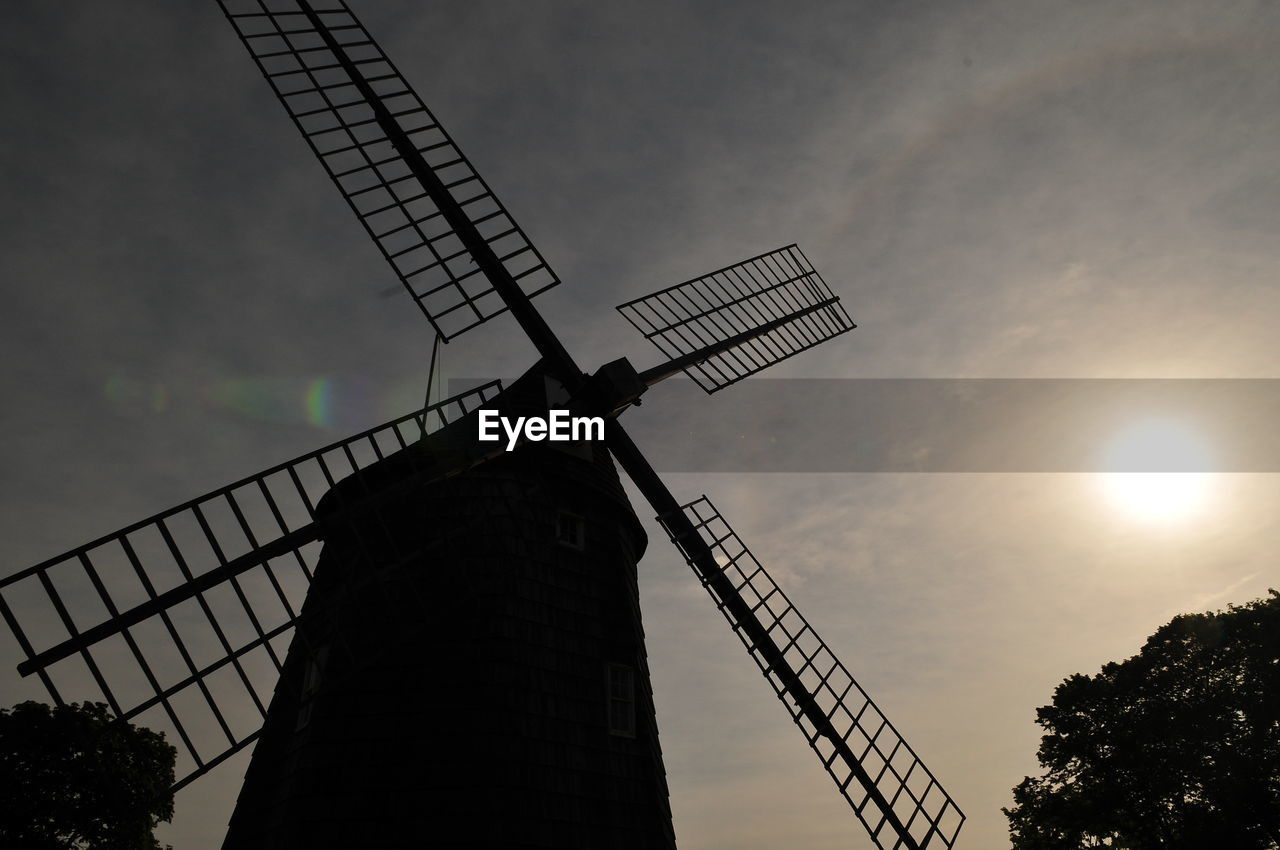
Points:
(1177, 747)
(73, 776)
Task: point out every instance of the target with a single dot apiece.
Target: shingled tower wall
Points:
(460, 675)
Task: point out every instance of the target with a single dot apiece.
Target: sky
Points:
(1031, 190)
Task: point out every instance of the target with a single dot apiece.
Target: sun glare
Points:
(1158, 472)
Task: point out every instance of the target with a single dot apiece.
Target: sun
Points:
(1158, 472)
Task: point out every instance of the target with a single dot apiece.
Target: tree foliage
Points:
(1177, 747)
(72, 776)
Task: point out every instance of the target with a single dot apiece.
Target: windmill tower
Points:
(468, 666)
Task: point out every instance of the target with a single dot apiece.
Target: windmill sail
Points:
(779, 290)
(891, 791)
(182, 619)
(444, 232)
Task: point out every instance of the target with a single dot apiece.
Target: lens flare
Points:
(320, 402)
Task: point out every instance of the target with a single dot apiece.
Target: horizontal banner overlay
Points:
(962, 425)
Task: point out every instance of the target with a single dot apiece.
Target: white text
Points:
(559, 426)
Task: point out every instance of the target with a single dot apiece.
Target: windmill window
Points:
(310, 684)
(570, 530)
(622, 701)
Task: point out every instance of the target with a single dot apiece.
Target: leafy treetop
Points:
(1179, 746)
(73, 776)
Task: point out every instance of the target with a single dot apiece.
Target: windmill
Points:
(465, 602)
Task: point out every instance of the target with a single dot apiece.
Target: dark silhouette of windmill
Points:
(467, 667)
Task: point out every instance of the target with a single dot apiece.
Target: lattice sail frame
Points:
(208, 692)
(884, 758)
(340, 123)
(684, 318)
